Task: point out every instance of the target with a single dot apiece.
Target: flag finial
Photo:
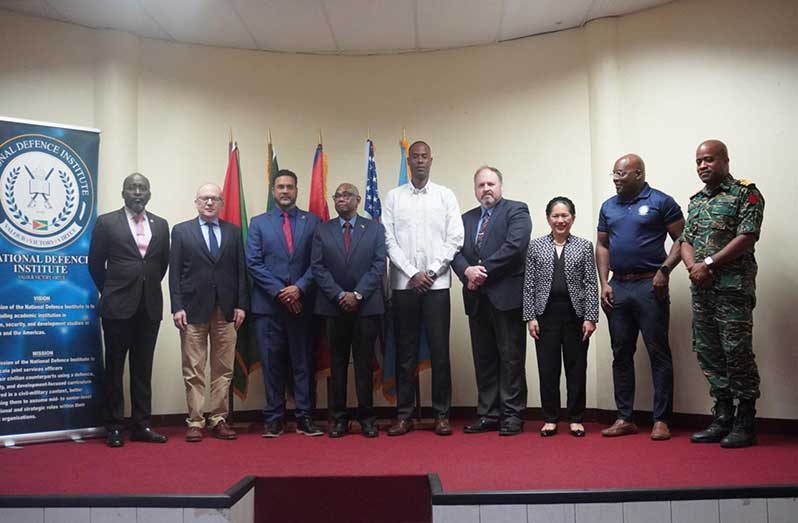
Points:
(231, 135)
(270, 135)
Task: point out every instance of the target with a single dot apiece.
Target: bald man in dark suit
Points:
(128, 258)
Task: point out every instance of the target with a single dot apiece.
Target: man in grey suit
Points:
(207, 285)
(128, 258)
(348, 264)
(491, 267)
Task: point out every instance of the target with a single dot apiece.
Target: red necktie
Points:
(347, 237)
(141, 237)
(289, 238)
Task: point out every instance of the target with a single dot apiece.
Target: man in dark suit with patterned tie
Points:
(491, 267)
(278, 257)
(348, 263)
(128, 257)
(208, 289)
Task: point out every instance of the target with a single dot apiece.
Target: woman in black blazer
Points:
(561, 311)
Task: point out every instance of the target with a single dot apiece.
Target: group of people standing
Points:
(301, 268)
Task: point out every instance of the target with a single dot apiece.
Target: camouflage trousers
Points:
(722, 324)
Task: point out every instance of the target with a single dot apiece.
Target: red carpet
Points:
(478, 462)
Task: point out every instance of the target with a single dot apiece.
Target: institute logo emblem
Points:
(642, 210)
(46, 193)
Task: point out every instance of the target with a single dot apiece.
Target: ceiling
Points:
(331, 26)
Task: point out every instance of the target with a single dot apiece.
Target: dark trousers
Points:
(561, 341)
(411, 310)
(285, 345)
(136, 336)
(636, 310)
(355, 334)
(498, 341)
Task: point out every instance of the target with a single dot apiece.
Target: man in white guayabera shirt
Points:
(423, 232)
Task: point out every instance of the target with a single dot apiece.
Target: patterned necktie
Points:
(213, 243)
(347, 237)
(483, 226)
(289, 238)
(141, 236)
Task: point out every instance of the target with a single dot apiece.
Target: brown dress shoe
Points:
(442, 427)
(660, 431)
(621, 427)
(403, 426)
(194, 434)
(223, 431)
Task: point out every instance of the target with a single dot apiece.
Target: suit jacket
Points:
(198, 282)
(121, 275)
(362, 270)
(270, 265)
(502, 254)
(580, 277)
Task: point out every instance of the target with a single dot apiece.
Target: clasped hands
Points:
(476, 276)
(701, 275)
(291, 297)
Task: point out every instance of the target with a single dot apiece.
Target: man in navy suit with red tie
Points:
(208, 287)
(278, 258)
(348, 263)
(128, 258)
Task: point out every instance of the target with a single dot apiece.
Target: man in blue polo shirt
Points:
(631, 242)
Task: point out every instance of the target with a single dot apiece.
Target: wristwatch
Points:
(432, 274)
(358, 296)
(664, 269)
(708, 261)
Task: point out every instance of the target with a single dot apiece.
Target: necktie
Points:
(483, 227)
(289, 238)
(213, 244)
(141, 235)
(347, 237)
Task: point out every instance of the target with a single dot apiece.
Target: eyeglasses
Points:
(623, 174)
(209, 199)
(345, 195)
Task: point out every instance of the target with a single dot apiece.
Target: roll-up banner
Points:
(50, 352)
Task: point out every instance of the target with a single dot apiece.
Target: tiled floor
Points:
(777, 510)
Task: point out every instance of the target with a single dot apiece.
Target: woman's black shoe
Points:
(547, 433)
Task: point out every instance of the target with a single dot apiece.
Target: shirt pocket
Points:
(724, 213)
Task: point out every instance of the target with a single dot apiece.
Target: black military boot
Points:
(721, 424)
(742, 434)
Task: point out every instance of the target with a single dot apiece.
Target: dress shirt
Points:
(132, 224)
(423, 232)
(217, 232)
(352, 221)
(344, 222)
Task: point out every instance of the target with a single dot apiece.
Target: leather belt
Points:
(634, 276)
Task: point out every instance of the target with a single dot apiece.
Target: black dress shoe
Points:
(578, 433)
(481, 425)
(147, 435)
(511, 428)
(114, 438)
(369, 430)
(547, 433)
(338, 429)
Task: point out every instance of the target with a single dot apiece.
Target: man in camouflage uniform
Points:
(723, 223)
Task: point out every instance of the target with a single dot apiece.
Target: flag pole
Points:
(404, 136)
(320, 142)
(270, 136)
(231, 135)
(368, 133)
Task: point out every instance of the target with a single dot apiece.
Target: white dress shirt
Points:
(132, 224)
(423, 232)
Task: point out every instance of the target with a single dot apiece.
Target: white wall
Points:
(552, 112)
